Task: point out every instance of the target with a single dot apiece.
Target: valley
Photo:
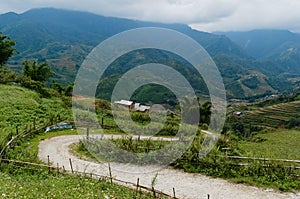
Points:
(255, 154)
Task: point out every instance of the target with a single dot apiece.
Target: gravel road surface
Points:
(186, 185)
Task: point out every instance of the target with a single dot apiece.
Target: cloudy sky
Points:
(207, 15)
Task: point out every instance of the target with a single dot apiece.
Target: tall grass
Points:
(21, 107)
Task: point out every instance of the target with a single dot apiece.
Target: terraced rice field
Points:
(273, 116)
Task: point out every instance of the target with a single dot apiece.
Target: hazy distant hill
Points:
(63, 38)
(281, 46)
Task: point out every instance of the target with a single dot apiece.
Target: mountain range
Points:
(253, 64)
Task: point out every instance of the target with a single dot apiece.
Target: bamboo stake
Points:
(48, 163)
(174, 193)
(71, 165)
(137, 187)
(110, 174)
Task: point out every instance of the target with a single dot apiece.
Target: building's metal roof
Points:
(124, 102)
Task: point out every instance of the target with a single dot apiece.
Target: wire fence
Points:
(35, 128)
(61, 170)
(12, 138)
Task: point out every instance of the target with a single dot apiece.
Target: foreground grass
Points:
(60, 186)
(21, 107)
(27, 149)
(25, 183)
(282, 144)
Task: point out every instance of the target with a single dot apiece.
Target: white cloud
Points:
(208, 15)
(259, 14)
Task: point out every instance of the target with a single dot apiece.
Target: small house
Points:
(126, 103)
(141, 108)
(133, 106)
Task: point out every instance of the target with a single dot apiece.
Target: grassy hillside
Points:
(38, 183)
(283, 144)
(20, 107)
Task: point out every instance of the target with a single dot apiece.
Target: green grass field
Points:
(60, 186)
(20, 107)
(24, 183)
(281, 144)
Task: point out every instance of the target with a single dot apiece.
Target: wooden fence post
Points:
(154, 193)
(71, 165)
(57, 168)
(174, 193)
(48, 163)
(87, 133)
(137, 187)
(110, 174)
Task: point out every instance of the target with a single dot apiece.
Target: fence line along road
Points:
(138, 187)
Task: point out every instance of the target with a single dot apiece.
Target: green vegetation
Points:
(7, 75)
(240, 135)
(39, 37)
(251, 82)
(21, 107)
(42, 185)
(34, 182)
(216, 163)
(273, 116)
(6, 48)
(162, 123)
(281, 112)
(37, 72)
(280, 144)
(103, 150)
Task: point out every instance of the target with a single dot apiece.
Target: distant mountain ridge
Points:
(281, 46)
(94, 28)
(63, 38)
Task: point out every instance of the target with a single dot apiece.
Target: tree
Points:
(293, 122)
(6, 48)
(67, 91)
(56, 86)
(191, 109)
(37, 72)
(205, 113)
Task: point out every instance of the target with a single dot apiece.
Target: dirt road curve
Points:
(186, 185)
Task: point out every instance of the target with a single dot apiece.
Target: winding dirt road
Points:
(186, 185)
